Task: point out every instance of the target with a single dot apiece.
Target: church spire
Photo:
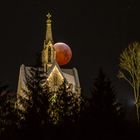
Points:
(48, 29)
(48, 52)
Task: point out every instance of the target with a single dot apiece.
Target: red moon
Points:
(63, 53)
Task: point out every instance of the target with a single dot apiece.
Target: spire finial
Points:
(48, 15)
(48, 18)
(49, 29)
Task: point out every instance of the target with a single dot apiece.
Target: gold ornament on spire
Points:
(48, 18)
(49, 15)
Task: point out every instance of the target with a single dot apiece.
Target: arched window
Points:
(49, 54)
(55, 79)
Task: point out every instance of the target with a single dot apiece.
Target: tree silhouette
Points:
(105, 112)
(130, 71)
(47, 110)
(64, 105)
(35, 116)
(64, 111)
(7, 112)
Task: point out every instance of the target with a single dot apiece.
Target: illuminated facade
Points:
(55, 75)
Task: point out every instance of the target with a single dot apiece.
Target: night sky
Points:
(97, 32)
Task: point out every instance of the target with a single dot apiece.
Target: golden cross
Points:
(48, 15)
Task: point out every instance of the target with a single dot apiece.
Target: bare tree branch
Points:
(130, 70)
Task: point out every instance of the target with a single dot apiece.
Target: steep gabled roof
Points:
(51, 69)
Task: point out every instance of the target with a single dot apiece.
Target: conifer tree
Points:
(64, 105)
(104, 102)
(7, 112)
(64, 112)
(36, 105)
(103, 113)
(46, 108)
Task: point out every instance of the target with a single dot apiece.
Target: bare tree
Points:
(130, 71)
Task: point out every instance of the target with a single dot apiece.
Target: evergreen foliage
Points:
(104, 99)
(46, 109)
(36, 103)
(64, 105)
(7, 112)
(102, 113)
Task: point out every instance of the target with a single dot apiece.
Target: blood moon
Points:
(63, 53)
